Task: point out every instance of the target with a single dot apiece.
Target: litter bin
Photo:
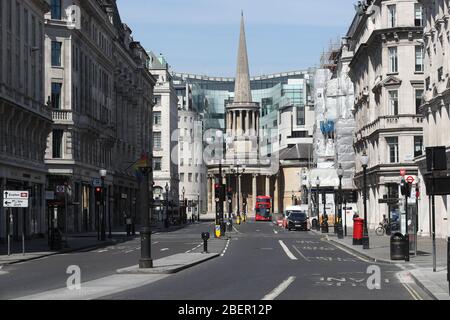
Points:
(398, 246)
(358, 227)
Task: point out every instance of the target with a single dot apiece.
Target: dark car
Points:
(297, 220)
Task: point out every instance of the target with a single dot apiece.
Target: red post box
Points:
(358, 227)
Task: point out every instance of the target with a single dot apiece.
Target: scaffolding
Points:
(330, 57)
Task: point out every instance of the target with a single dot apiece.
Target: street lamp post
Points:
(103, 211)
(198, 206)
(145, 261)
(324, 214)
(183, 205)
(340, 231)
(167, 221)
(238, 187)
(365, 162)
(317, 204)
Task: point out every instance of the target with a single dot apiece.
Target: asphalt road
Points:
(49, 273)
(265, 262)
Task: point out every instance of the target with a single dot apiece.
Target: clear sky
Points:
(201, 36)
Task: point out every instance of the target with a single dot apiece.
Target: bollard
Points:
(205, 237)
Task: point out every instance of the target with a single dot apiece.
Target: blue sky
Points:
(201, 36)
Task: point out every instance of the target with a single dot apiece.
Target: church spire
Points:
(242, 92)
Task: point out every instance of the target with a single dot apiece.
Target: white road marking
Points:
(156, 242)
(226, 247)
(100, 251)
(275, 231)
(301, 254)
(287, 251)
(194, 248)
(164, 249)
(128, 251)
(351, 253)
(2, 272)
(280, 289)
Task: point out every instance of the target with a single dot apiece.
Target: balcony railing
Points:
(390, 123)
(63, 116)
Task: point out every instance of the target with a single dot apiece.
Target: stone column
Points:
(247, 122)
(234, 121)
(275, 196)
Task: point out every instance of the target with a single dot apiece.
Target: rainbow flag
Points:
(142, 162)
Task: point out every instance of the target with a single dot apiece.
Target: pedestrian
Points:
(128, 223)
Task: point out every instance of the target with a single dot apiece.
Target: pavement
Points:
(420, 266)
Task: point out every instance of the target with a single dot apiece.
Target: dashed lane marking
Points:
(287, 251)
(164, 249)
(193, 249)
(226, 247)
(280, 289)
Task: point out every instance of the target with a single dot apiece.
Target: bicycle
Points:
(382, 229)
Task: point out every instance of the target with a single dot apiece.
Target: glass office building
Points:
(272, 92)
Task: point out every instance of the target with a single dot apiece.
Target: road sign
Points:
(97, 182)
(410, 179)
(402, 172)
(15, 203)
(60, 189)
(49, 195)
(15, 194)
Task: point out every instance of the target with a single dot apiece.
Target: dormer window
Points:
(56, 9)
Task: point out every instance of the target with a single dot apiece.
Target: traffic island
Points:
(171, 264)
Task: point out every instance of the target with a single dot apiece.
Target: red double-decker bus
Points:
(262, 208)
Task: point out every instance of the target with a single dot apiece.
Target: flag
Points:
(141, 163)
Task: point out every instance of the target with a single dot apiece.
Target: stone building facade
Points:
(165, 140)
(435, 108)
(101, 98)
(387, 72)
(25, 119)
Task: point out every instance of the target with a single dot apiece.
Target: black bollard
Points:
(205, 237)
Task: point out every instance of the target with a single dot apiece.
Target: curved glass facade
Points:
(210, 95)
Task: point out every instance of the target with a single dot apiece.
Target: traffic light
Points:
(98, 194)
(217, 190)
(229, 194)
(405, 188)
(417, 191)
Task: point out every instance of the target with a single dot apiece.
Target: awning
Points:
(327, 177)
